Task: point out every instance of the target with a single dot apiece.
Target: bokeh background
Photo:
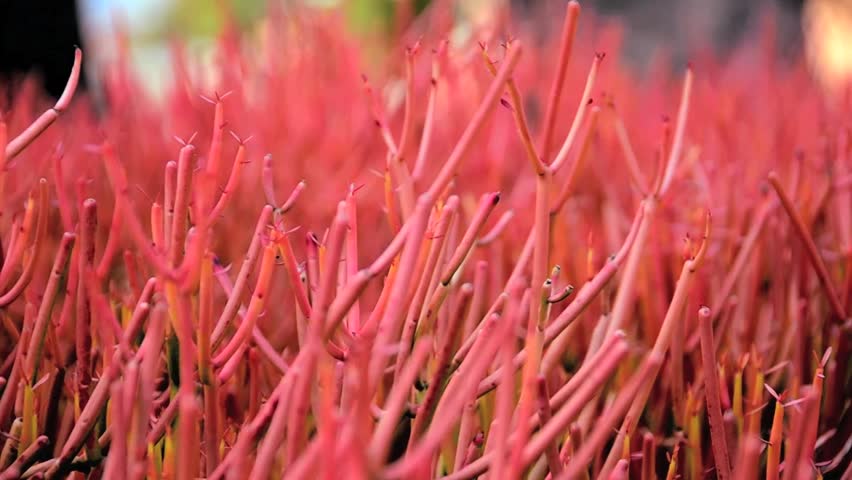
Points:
(35, 35)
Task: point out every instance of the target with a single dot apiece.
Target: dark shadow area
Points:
(38, 37)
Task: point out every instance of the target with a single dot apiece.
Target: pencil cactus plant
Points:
(532, 264)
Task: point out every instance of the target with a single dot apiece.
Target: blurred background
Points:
(36, 35)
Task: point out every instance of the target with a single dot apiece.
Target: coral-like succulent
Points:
(181, 319)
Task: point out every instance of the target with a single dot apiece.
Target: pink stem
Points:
(19, 143)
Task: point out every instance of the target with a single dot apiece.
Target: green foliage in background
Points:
(204, 18)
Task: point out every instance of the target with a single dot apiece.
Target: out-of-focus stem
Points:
(19, 143)
(810, 247)
(711, 389)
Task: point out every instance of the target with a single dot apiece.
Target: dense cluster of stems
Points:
(402, 328)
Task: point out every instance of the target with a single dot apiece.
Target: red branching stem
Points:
(189, 271)
(205, 320)
(396, 401)
(711, 389)
(19, 143)
(129, 400)
(578, 163)
(773, 451)
(312, 265)
(257, 336)
(18, 242)
(477, 301)
(285, 248)
(39, 335)
(497, 230)
(626, 291)
(517, 107)
(11, 330)
(24, 460)
(230, 187)
(390, 203)
(735, 271)
(37, 247)
(118, 176)
(10, 393)
(501, 425)
(408, 114)
(277, 424)
(584, 297)
(187, 439)
(629, 154)
(661, 345)
(486, 205)
(580, 376)
(170, 183)
(809, 437)
(562, 418)
(603, 427)
(115, 464)
(579, 116)
(561, 295)
(294, 196)
(379, 117)
(134, 326)
(113, 241)
(345, 299)
(466, 434)
(158, 236)
(810, 247)
(678, 139)
(747, 460)
(469, 340)
(14, 229)
(566, 43)
(66, 206)
(396, 157)
(232, 364)
(424, 412)
(436, 252)
(163, 422)
(621, 470)
(545, 414)
(313, 342)
(212, 430)
(448, 170)
(537, 314)
(4, 139)
(450, 406)
(177, 240)
(104, 325)
(86, 422)
(368, 330)
(148, 354)
(590, 289)
(354, 315)
(565, 415)
(389, 328)
(429, 121)
(649, 456)
(83, 323)
(153, 343)
(235, 298)
(302, 468)
(258, 300)
(214, 155)
(268, 182)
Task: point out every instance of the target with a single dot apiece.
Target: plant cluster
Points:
(518, 260)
